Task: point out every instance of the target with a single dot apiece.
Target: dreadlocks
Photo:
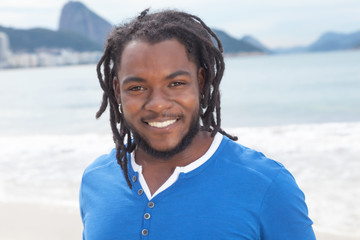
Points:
(192, 32)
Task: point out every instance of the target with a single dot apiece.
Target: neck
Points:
(156, 171)
(199, 145)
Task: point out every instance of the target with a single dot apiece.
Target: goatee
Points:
(184, 143)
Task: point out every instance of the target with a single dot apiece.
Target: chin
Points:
(168, 152)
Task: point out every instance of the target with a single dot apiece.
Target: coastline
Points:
(40, 177)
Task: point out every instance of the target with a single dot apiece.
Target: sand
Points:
(26, 221)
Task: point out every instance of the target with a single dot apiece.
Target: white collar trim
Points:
(172, 179)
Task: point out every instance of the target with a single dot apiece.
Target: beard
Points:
(183, 144)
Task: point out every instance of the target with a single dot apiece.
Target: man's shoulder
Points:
(101, 162)
(241, 158)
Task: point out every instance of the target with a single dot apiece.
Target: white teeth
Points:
(162, 124)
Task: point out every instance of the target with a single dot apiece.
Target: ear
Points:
(116, 87)
(201, 79)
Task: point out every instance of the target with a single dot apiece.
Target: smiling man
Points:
(175, 174)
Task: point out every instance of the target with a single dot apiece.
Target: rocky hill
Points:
(76, 17)
(336, 41)
(235, 46)
(81, 29)
(30, 40)
(256, 43)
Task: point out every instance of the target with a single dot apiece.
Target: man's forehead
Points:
(141, 47)
(144, 45)
(142, 55)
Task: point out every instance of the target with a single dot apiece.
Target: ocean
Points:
(302, 110)
(292, 89)
(255, 91)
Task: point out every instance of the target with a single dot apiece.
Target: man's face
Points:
(159, 93)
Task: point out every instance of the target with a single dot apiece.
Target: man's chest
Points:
(173, 214)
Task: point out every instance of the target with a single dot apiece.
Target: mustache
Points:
(154, 116)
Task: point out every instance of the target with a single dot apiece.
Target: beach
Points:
(299, 109)
(40, 177)
(27, 221)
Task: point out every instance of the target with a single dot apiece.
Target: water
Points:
(288, 89)
(48, 131)
(256, 91)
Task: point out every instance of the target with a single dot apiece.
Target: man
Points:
(180, 175)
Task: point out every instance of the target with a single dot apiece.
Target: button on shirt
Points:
(232, 192)
(172, 179)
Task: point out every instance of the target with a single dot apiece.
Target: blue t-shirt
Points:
(237, 194)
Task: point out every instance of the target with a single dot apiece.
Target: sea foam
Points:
(324, 158)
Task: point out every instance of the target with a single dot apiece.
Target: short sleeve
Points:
(284, 214)
(81, 205)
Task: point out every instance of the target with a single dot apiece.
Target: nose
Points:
(158, 101)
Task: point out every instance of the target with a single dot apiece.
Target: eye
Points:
(177, 83)
(136, 88)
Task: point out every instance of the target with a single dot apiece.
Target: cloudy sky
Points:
(274, 22)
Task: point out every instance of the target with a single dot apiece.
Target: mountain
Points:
(81, 29)
(256, 43)
(76, 17)
(332, 41)
(289, 50)
(32, 39)
(233, 46)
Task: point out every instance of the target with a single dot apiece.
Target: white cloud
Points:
(274, 22)
(29, 4)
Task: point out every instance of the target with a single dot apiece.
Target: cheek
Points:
(190, 102)
(192, 97)
(130, 105)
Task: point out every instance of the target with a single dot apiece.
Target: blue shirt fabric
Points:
(237, 194)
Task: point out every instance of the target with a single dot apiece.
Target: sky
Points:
(275, 23)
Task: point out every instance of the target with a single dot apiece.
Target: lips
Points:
(163, 124)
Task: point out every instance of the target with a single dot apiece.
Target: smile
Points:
(162, 124)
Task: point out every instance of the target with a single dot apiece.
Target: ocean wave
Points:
(324, 158)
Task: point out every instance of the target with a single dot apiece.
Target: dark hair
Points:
(189, 30)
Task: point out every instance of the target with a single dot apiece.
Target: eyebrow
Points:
(178, 73)
(141, 80)
(133, 79)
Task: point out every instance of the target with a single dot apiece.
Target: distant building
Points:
(4, 49)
